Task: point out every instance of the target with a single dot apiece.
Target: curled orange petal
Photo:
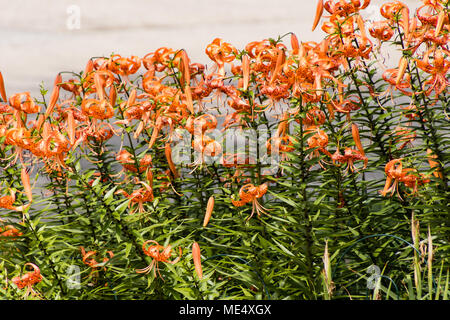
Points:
(387, 186)
(99, 86)
(440, 22)
(197, 259)
(362, 29)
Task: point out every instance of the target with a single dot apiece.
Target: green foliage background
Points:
(280, 256)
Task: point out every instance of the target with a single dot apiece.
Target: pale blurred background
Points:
(39, 38)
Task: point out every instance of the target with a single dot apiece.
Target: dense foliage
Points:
(282, 171)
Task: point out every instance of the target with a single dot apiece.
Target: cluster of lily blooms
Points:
(175, 93)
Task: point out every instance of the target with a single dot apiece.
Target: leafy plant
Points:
(282, 172)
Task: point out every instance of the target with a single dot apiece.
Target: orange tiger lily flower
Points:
(396, 173)
(19, 137)
(314, 118)
(158, 254)
(196, 256)
(89, 260)
(319, 140)
(105, 79)
(126, 160)
(412, 179)
(139, 196)
(275, 92)
(391, 9)
(24, 103)
(339, 25)
(220, 52)
(7, 202)
(344, 8)
(349, 157)
(439, 72)
(206, 146)
(52, 145)
(9, 231)
(429, 18)
(123, 66)
(158, 60)
(251, 193)
(72, 86)
(201, 124)
(28, 279)
(381, 30)
(97, 109)
(395, 79)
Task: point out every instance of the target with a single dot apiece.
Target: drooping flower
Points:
(158, 254)
(28, 279)
(251, 193)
